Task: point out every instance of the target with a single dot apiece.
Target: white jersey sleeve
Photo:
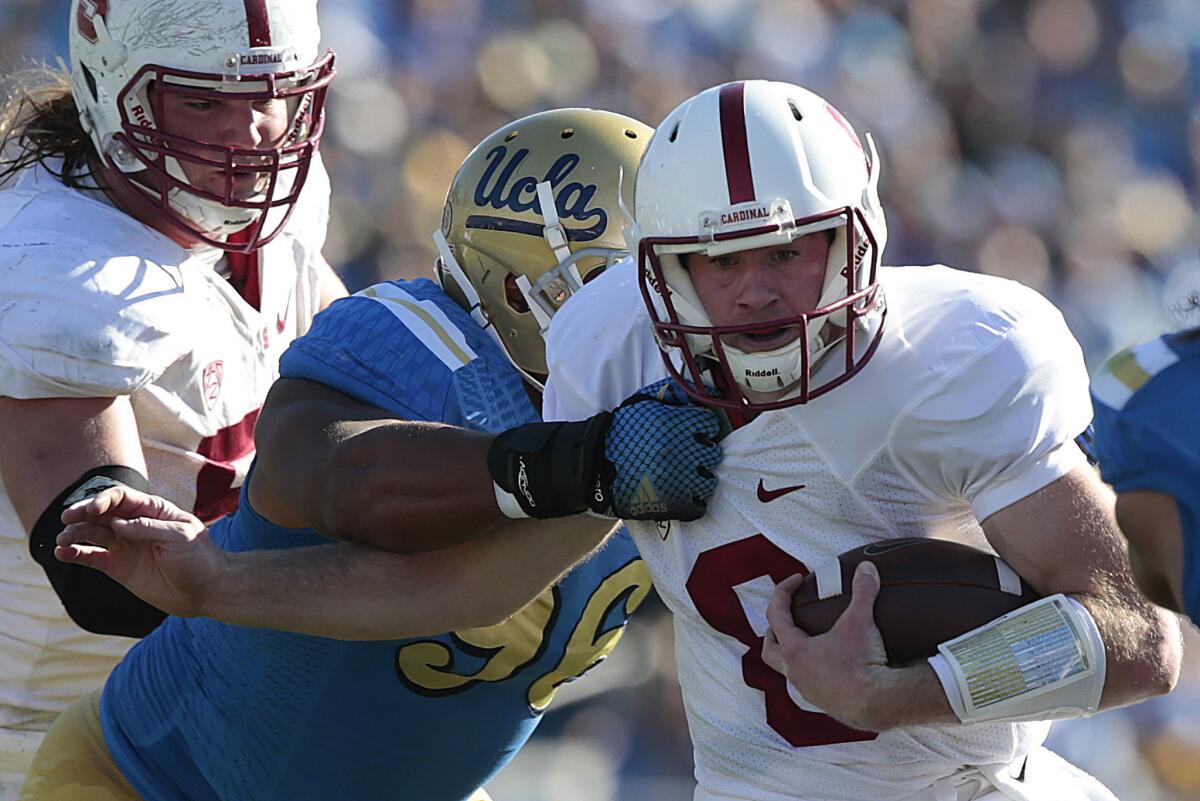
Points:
(600, 348)
(79, 318)
(1008, 400)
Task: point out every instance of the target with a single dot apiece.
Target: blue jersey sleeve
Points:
(407, 347)
(1147, 433)
(1135, 453)
(1147, 422)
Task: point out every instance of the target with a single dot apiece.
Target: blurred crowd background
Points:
(1056, 142)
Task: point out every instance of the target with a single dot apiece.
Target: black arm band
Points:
(93, 600)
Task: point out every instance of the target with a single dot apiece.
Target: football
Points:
(930, 591)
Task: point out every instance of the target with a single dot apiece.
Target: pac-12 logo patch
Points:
(210, 381)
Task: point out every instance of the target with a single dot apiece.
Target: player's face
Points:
(761, 285)
(255, 124)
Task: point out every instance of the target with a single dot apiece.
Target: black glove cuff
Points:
(552, 469)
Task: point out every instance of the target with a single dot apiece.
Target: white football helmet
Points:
(126, 55)
(747, 165)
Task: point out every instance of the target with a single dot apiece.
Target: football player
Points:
(162, 219)
(354, 445)
(1147, 438)
(868, 403)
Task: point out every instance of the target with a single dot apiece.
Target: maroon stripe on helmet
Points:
(258, 23)
(733, 143)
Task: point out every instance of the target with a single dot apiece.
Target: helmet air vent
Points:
(674, 133)
(631, 134)
(90, 80)
(511, 135)
(567, 133)
(795, 111)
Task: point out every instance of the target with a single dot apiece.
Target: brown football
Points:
(930, 591)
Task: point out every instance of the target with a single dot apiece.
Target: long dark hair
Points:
(38, 122)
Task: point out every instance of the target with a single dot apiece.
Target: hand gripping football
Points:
(930, 591)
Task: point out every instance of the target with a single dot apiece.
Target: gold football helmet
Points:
(504, 258)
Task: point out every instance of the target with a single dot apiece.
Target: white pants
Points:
(1042, 776)
(16, 753)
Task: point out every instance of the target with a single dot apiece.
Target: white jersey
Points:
(971, 403)
(95, 304)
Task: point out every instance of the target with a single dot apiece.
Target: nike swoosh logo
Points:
(880, 548)
(281, 319)
(766, 496)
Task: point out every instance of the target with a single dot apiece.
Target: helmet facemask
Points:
(142, 155)
(718, 373)
(540, 300)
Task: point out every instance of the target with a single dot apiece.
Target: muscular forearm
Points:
(410, 487)
(352, 592)
(356, 473)
(1079, 551)
(909, 696)
(1142, 659)
(1142, 646)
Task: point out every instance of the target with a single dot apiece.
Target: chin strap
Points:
(449, 264)
(553, 230)
(243, 271)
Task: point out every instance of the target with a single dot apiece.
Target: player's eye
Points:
(785, 255)
(200, 104)
(266, 105)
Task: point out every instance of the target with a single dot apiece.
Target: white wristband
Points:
(508, 503)
(1044, 661)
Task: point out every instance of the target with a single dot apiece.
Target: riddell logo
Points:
(85, 17)
(139, 115)
(762, 373)
(860, 251)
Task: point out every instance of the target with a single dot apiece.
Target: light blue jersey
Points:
(204, 711)
(1147, 433)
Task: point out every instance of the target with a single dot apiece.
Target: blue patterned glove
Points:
(661, 451)
(650, 459)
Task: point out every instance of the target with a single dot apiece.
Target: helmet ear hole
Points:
(513, 295)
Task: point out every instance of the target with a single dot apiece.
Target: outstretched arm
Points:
(354, 472)
(343, 591)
